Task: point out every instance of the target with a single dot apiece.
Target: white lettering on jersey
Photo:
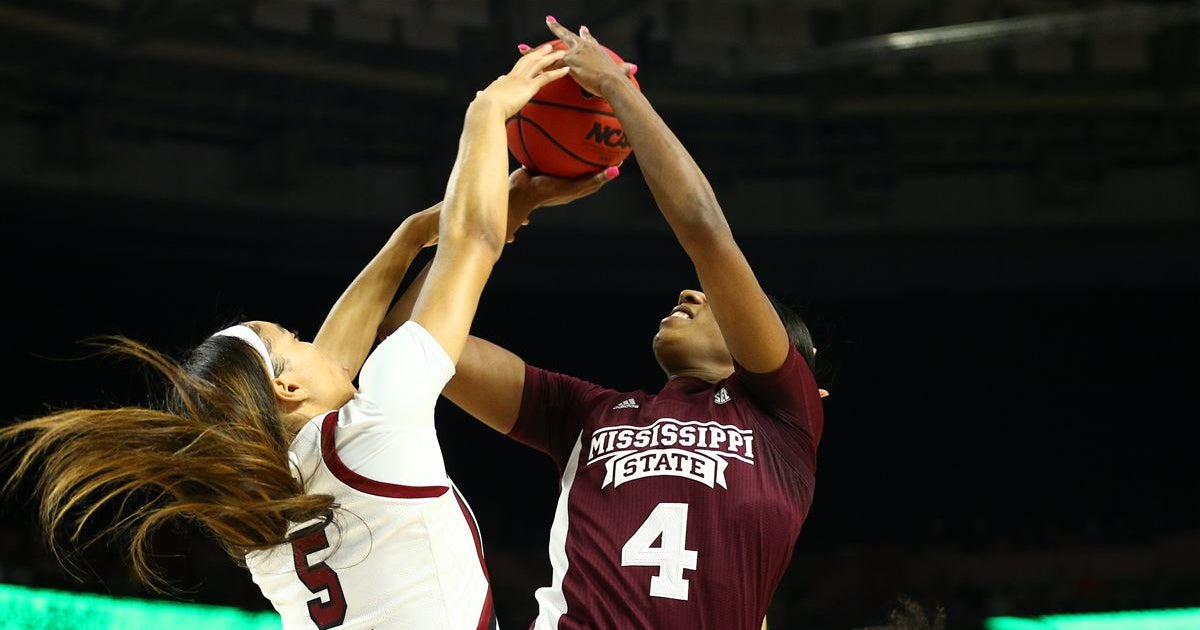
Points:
(627, 404)
(699, 451)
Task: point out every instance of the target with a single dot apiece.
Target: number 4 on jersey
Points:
(668, 520)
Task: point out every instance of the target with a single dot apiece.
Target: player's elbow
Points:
(477, 239)
(703, 225)
(478, 233)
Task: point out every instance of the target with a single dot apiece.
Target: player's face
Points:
(688, 337)
(326, 380)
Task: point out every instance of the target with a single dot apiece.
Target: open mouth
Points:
(679, 312)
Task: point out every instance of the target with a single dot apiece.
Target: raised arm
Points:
(489, 380)
(752, 329)
(346, 335)
(473, 218)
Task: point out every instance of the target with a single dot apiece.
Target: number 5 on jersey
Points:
(319, 577)
(668, 520)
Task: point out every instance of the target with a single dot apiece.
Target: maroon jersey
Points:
(678, 510)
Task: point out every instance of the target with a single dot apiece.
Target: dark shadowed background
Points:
(988, 211)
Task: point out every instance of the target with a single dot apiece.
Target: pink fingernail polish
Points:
(523, 47)
(550, 18)
(633, 68)
(611, 172)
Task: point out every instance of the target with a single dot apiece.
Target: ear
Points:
(288, 391)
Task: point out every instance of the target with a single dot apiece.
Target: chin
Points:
(668, 356)
(656, 345)
(664, 346)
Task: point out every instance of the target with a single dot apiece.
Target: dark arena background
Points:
(988, 211)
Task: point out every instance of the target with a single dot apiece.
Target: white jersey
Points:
(403, 551)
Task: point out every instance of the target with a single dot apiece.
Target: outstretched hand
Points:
(528, 192)
(510, 92)
(591, 66)
(630, 69)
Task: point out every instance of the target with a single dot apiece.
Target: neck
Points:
(293, 422)
(295, 414)
(296, 418)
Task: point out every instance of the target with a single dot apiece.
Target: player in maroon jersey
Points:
(678, 509)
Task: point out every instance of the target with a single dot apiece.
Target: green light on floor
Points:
(1171, 619)
(23, 608)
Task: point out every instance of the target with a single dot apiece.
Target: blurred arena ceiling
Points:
(873, 107)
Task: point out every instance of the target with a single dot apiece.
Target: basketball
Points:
(566, 131)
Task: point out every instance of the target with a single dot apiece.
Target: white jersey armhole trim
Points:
(552, 602)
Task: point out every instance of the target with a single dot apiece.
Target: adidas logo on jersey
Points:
(721, 397)
(627, 404)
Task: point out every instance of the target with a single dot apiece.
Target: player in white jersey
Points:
(335, 498)
(402, 550)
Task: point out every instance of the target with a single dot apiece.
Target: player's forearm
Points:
(519, 207)
(401, 310)
(346, 332)
(470, 214)
(679, 187)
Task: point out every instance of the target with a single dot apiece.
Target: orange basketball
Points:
(567, 131)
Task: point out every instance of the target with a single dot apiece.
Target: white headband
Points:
(247, 334)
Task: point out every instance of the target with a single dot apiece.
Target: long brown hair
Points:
(213, 453)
